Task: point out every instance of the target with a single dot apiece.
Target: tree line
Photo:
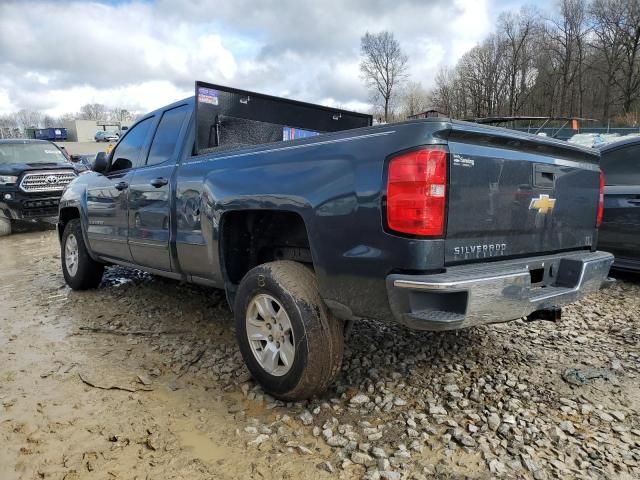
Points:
(15, 124)
(582, 60)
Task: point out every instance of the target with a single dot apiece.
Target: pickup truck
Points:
(33, 174)
(436, 224)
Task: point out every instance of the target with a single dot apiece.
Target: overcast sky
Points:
(58, 55)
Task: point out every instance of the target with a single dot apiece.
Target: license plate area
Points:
(544, 274)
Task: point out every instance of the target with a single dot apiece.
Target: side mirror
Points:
(75, 158)
(100, 163)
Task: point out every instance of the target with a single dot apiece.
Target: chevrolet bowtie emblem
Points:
(542, 204)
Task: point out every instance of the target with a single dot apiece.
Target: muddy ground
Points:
(141, 378)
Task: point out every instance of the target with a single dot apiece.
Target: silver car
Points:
(104, 136)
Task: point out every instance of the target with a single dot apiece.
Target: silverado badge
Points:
(542, 204)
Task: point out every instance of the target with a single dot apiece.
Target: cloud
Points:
(56, 56)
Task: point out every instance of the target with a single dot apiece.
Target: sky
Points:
(57, 55)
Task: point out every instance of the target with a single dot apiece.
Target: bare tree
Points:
(629, 82)
(28, 118)
(120, 114)
(567, 35)
(481, 73)
(69, 117)
(607, 17)
(48, 121)
(93, 111)
(413, 99)
(583, 60)
(519, 31)
(447, 96)
(383, 65)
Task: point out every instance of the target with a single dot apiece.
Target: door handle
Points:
(159, 182)
(121, 186)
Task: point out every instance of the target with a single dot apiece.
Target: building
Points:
(85, 130)
(429, 113)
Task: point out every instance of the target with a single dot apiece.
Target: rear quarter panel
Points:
(335, 182)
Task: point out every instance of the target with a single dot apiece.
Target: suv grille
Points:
(46, 181)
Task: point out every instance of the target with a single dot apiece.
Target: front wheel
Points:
(290, 343)
(80, 271)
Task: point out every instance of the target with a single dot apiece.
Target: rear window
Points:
(622, 166)
(30, 153)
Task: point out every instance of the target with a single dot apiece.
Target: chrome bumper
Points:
(469, 295)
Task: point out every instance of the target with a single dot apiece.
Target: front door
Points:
(107, 198)
(150, 194)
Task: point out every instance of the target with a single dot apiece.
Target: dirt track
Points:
(142, 379)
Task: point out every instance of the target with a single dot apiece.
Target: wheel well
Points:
(66, 214)
(250, 238)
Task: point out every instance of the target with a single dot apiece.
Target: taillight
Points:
(600, 201)
(416, 191)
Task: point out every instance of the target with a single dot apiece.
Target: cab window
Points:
(165, 139)
(129, 151)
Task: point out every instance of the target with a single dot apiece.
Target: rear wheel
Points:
(5, 227)
(80, 271)
(289, 341)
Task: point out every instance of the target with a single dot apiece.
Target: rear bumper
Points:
(471, 295)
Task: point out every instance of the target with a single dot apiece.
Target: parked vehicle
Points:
(620, 230)
(104, 136)
(33, 174)
(433, 223)
(53, 134)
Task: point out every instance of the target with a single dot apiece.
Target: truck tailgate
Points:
(513, 194)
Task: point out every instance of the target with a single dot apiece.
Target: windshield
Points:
(30, 153)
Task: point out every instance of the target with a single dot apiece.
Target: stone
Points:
(337, 441)
(326, 466)
(493, 421)
(389, 475)
(378, 452)
(258, 440)
(306, 417)
(567, 426)
(359, 399)
(437, 410)
(362, 458)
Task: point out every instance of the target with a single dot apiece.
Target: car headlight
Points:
(7, 179)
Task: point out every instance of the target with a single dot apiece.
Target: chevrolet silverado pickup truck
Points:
(33, 174)
(310, 219)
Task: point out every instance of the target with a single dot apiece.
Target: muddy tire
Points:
(5, 227)
(290, 342)
(80, 271)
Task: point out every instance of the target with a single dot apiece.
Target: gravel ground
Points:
(142, 379)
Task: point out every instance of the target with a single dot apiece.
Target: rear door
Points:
(620, 230)
(512, 194)
(150, 193)
(107, 197)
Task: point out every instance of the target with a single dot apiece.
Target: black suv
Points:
(33, 175)
(620, 230)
